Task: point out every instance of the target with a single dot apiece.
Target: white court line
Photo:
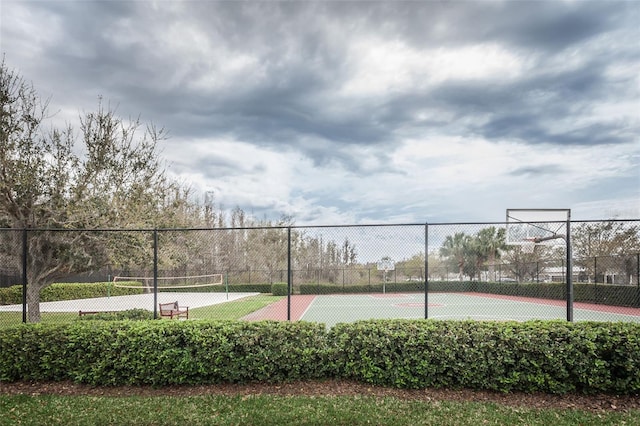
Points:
(307, 308)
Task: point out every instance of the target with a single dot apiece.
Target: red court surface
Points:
(278, 311)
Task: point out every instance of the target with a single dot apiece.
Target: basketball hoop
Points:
(386, 265)
(529, 245)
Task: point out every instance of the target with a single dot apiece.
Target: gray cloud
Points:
(529, 171)
(272, 75)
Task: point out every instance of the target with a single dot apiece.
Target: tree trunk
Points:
(492, 268)
(33, 302)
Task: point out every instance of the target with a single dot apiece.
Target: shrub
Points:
(279, 289)
(536, 356)
(164, 352)
(552, 356)
(70, 291)
(221, 288)
(130, 314)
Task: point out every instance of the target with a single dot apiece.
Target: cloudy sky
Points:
(360, 112)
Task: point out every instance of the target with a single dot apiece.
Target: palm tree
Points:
(455, 249)
(490, 242)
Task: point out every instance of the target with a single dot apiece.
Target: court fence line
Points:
(605, 258)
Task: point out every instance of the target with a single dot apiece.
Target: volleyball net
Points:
(170, 282)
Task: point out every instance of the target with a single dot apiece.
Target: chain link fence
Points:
(322, 273)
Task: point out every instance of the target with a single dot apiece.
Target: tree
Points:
(112, 178)
(455, 249)
(349, 254)
(412, 267)
(490, 244)
(615, 243)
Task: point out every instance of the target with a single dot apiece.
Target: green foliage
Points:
(130, 314)
(314, 288)
(615, 295)
(279, 289)
(70, 291)
(11, 295)
(164, 352)
(536, 356)
(221, 288)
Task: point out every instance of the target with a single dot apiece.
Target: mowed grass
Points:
(235, 309)
(282, 410)
(232, 310)
(14, 318)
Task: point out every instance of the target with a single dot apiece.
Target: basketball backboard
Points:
(386, 264)
(539, 226)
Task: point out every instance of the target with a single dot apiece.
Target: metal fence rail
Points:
(351, 272)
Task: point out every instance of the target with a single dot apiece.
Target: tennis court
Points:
(333, 309)
(337, 308)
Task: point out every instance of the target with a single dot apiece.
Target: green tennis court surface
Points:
(333, 309)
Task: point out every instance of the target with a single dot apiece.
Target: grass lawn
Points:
(282, 410)
(235, 309)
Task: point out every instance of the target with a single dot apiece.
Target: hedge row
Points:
(136, 314)
(164, 352)
(69, 291)
(552, 357)
(590, 293)
(536, 356)
(221, 288)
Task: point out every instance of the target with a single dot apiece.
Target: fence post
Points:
(426, 271)
(638, 270)
(569, 271)
(289, 283)
(155, 273)
(25, 253)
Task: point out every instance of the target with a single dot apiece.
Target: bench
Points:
(173, 310)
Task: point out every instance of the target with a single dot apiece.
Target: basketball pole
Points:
(568, 262)
(569, 270)
(226, 283)
(426, 271)
(155, 273)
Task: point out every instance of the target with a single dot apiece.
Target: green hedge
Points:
(136, 314)
(69, 291)
(279, 289)
(554, 291)
(536, 356)
(164, 352)
(553, 357)
(391, 287)
(221, 288)
(615, 295)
